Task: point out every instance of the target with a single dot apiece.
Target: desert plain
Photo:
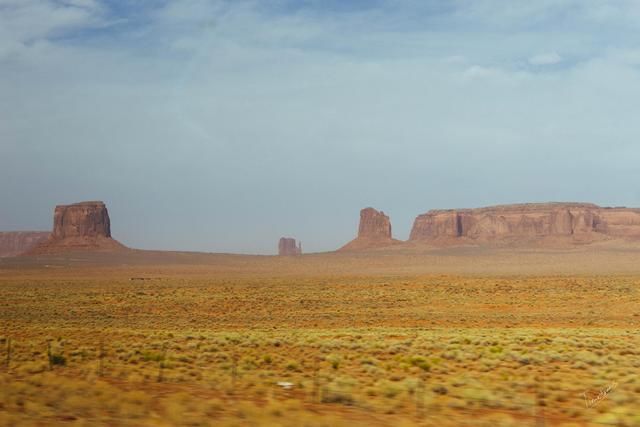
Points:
(458, 336)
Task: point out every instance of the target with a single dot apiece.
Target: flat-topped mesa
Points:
(575, 222)
(374, 231)
(14, 243)
(85, 219)
(81, 226)
(287, 246)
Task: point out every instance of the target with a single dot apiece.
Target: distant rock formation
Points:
(16, 243)
(287, 247)
(374, 231)
(86, 219)
(79, 227)
(524, 223)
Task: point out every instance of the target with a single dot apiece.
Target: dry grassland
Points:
(207, 344)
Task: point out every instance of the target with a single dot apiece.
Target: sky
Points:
(220, 126)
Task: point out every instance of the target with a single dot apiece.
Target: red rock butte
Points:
(374, 231)
(287, 246)
(81, 226)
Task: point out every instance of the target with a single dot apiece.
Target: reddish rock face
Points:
(18, 242)
(561, 223)
(580, 222)
(374, 225)
(374, 231)
(79, 227)
(86, 219)
(287, 247)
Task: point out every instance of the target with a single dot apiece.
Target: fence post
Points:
(162, 359)
(539, 415)
(8, 362)
(420, 398)
(234, 372)
(100, 358)
(49, 356)
(316, 381)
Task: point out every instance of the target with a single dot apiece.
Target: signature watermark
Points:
(591, 401)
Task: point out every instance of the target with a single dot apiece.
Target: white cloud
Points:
(455, 59)
(25, 22)
(477, 71)
(548, 58)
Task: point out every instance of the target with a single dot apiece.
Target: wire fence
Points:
(465, 406)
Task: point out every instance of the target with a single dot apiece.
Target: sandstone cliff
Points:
(525, 223)
(374, 231)
(15, 243)
(79, 227)
(287, 246)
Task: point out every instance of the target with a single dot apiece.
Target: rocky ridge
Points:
(16, 243)
(523, 223)
(517, 224)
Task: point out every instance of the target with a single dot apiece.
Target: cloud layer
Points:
(220, 126)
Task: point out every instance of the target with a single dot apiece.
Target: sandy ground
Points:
(597, 259)
(412, 336)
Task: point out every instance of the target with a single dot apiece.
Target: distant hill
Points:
(15, 243)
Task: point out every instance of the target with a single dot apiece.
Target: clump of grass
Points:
(420, 362)
(337, 396)
(152, 356)
(440, 389)
(292, 365)
(334, 360)
(389, 389)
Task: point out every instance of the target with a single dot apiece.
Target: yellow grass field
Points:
(439, 339)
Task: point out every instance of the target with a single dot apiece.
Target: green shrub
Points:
(292, 365)
(58, 359)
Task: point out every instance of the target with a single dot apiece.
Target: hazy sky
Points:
(221, 126)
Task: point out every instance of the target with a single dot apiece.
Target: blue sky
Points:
(221, 126)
